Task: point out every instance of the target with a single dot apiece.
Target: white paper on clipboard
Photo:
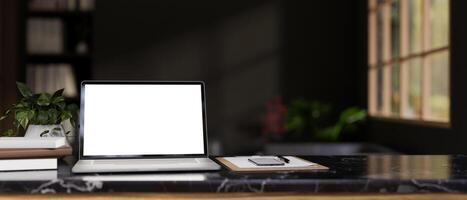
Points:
(242, 162)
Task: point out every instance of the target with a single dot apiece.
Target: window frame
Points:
(387, 61)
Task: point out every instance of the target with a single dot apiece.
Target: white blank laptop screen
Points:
(140, 119)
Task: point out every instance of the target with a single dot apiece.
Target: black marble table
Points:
(347, 174)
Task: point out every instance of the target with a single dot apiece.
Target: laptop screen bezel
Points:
(82, 124)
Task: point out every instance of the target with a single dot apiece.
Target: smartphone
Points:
(266, 161)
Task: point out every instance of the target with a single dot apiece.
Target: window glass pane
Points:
(395, 90)
(395, 29)
(386, 93)
(440, 86)
(372, 49)
(414, 104)
(371, 4)
(439, 21)
(372, 91)
(379, 89)
(379, 2)
(415, 26)
(379, 36)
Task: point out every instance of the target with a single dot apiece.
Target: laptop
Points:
(133, 126)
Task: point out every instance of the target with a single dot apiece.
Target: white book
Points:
(29, 175)
(32, 142)
(28, 164)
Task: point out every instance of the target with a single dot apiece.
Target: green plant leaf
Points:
(352, 115)
(42, 117)
(21, 104)
(295, 124)
(31, 114)
(16, 125)
(58, 93)
(329, 134)
(53, 116)
(24, 90)
(9, 133)
(57, 100)
(72, 108)
(44, 99)
(7, 112)
(22, 118)
(61, 105)
(65, 115)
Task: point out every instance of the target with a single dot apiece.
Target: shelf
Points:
(77, 27)
(57, 58)
(60, 14)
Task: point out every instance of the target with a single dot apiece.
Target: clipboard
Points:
(237, 164)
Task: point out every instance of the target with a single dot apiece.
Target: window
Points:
(408, 59)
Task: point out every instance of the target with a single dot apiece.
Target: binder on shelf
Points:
(241, 164)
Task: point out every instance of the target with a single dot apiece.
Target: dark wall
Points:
(324, 51)
(231, 45)
(247, 52)
(426, 139)
(10, 59)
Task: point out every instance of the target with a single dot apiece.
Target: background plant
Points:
(316, 119)
(39, 109)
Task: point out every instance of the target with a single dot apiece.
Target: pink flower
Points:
(275, 116)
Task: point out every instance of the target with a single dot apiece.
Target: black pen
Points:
(284, 159)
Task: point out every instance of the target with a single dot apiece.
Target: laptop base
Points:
(145, 165)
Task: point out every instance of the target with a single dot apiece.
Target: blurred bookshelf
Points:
(58, 45)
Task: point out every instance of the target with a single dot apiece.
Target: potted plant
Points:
(40, 114)
(305, 127)
(314, 120)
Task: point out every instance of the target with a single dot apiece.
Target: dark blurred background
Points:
(255, 57)
(247, 52)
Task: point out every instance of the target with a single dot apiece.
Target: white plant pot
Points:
(53, 130)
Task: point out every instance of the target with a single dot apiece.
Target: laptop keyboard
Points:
(146, 162)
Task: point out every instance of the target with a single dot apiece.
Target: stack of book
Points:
(52, 77)
(44, 36)
(61, 5)
(27, 153)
